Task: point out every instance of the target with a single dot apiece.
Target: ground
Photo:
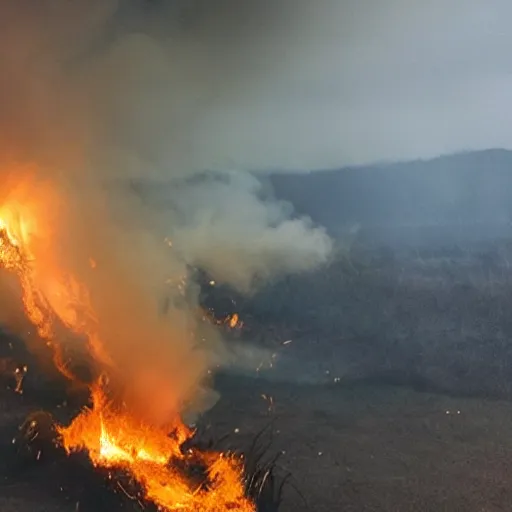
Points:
(390, 389)
(358, 448)
(382, 448)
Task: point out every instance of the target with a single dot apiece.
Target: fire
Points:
(233, 321)
(16, 259)
(154, 457)
(48, 293)
(112, 435)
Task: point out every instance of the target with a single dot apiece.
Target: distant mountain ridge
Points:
(459, 189)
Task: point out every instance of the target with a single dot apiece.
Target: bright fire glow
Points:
(108, 432)
(233, 321)
(153, 456)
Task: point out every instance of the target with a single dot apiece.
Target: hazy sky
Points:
(258, 84)
(351, 81)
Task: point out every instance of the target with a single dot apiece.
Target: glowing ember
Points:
(233, 321)
(112, 436)
(9, 367)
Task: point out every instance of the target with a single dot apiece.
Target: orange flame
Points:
(48, 292)
(114, 439)
(233, 321)
(112, 436)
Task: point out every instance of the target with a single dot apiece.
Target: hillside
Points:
(466, 188)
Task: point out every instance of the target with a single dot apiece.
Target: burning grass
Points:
(116, 440)
(154, 458)
(38, 455)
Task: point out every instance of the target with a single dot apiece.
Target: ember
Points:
(233, 321)
(112, 435)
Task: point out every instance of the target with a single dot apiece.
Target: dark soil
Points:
(347, 448)
(380, 448)
(390, 389)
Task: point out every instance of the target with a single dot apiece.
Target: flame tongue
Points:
(112, 435)
(154, 458)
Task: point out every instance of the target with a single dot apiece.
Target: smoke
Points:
(109, 113)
